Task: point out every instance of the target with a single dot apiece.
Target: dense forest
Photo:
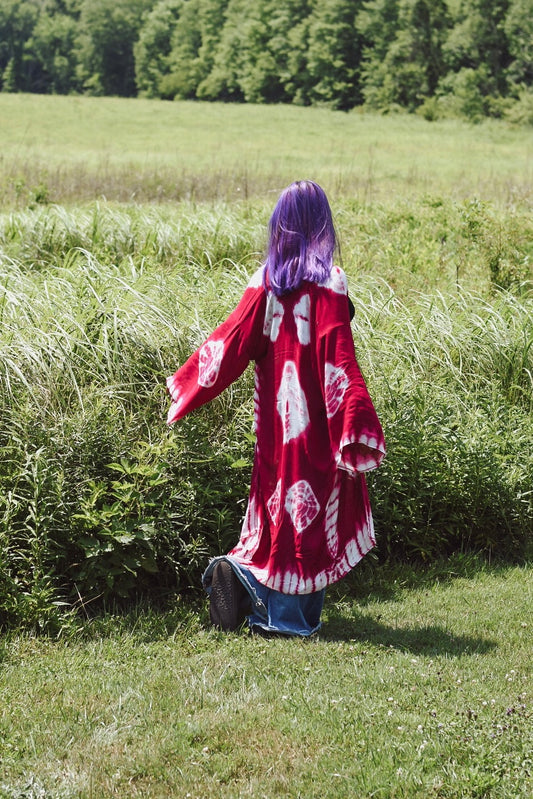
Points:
(470, 58)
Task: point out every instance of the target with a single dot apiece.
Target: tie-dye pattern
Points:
(309, 519)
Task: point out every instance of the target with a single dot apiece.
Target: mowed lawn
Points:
(419, 685)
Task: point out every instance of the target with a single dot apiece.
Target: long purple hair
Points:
(302, 238)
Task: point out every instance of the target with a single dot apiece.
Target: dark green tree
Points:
(293, 38)
(267, 50)
(176, 47)
(243, 34)
(518, 28)
(211, 18)
(477, 56)
(477, 41)
(405, 69)
(334, 54)
(184, 61)
(154, 45)
(288, 24)
(377, 22)
(261, 55)
(108, 32)
(53, 44)
(19, 70)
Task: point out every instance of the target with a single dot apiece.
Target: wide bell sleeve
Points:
(355, 431)
(223, 357)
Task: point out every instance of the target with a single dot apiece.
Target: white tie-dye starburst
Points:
(178, 399)
(176, 392)
(301, 317)
(292, 403)
(209, 364)
(257, 404)
(337, 281)
(274, 503)
(256, 281)
(301, 505)
(352, 553)
(337, 382)
(273, 317)
(251, 529)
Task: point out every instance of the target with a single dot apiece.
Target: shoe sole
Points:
(229, 601)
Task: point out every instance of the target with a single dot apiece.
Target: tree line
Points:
(470, 58)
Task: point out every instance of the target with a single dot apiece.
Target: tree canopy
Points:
(470, 58)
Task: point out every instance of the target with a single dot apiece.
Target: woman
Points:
(308, 520)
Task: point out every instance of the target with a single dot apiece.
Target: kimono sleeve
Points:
(355, 431)
(222, 358)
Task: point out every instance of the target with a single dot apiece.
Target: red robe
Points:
(308, 520)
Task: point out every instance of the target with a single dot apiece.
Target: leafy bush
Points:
(454, 388)
(100, 501)
(521, 111)
(463, 95)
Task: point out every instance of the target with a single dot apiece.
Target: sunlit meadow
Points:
(128, 230)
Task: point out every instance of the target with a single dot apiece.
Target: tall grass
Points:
(195, 236)
(433, 244)
(454, 382)
(99, 501)
(102, 295)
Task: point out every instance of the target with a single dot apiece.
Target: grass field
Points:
(127, 231)
(418, 686)
(69, 149)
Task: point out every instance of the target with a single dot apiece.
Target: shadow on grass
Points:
(387, 581)
(429, 640)
(184, 616)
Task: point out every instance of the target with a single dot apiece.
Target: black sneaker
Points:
(229, 600)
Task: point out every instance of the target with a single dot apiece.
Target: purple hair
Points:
(302, 238)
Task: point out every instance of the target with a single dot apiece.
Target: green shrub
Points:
(521, 111)
(454, 389)
(464, 94)
(101, 502)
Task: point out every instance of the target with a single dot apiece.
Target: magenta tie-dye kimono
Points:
(308, 520)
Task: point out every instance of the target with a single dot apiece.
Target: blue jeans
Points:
(272, 611)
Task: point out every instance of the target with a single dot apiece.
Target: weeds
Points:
(147, 151)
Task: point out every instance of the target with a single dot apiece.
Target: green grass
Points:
(65, 149)
(419, 685)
